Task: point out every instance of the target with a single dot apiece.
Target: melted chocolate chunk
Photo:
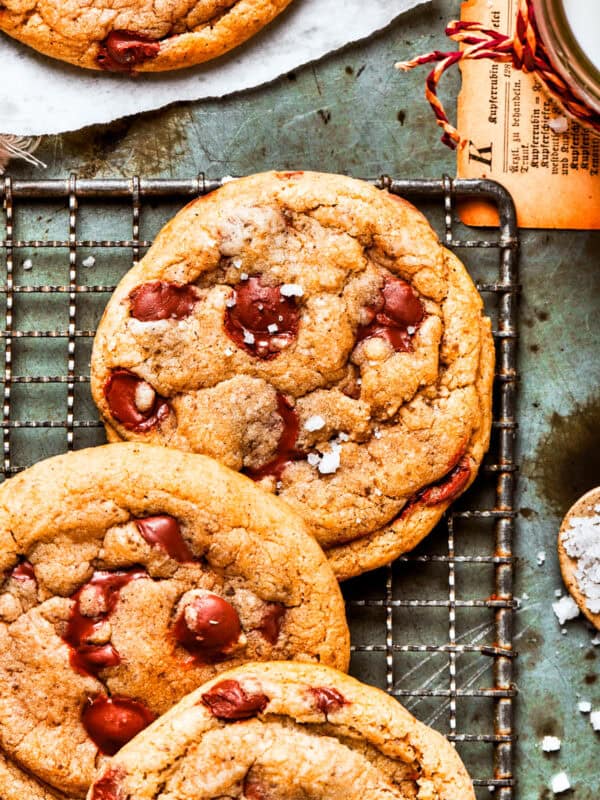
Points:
(109, 786)
(262, 321)
(86, 657)
(163, 531)
(111, 722)
(208, 627)
(399, 310)
(120, 393)
(23, 572)
(270, 624)
(450, 486)
(158, 300)
(327, 699)
(286, 448)
(254, 788)
(228, 700)
(121, 51)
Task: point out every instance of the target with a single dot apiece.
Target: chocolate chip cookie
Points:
(138, 35)
(131, 574)
(310, 331)
(283, 732)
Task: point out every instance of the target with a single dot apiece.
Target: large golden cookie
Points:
(286, 731)
(131, 575)
(136, 35)
(311, 331)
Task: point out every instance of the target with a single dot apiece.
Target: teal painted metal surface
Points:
(353, 113)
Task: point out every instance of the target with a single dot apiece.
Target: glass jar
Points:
(570, 30)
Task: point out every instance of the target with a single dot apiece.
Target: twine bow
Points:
(525, 50)
(21, 147)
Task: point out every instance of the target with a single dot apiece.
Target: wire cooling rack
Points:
(435, 628)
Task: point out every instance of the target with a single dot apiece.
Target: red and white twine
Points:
(525, 50)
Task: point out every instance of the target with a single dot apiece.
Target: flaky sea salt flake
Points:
(314, 423)
(560, 783)
(551, 744)
(565, 609)
(291, 290)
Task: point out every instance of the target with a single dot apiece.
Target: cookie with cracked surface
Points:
(579, 554)
(136, 36)
(132, 574)
(310, 331)
(344, 739)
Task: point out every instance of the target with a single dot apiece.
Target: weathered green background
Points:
(353, 113)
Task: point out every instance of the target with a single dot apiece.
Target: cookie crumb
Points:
(551, 744)
(565, 609)
(314, 423)
(144, 397)
(560, 783)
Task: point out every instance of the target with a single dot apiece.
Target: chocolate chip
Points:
(108, 787)
(87, 657)
(164, 532)
(286, 447)
(208, 627)
(121, 393)
(254, 788)
(260, 319)
(327, 699)
(228, 700)
(450, 486)
(111, 722)
(158, 300)
(123, 50)
(23, 572)
(270, 624)
(395, 317)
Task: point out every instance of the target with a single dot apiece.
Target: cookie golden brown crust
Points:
(300, 731)
(136, 36)
(310, 331)
(131, 575)
(587, 506)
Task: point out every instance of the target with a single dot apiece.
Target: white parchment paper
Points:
(39, 95)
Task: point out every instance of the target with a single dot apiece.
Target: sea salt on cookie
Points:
(579, 554)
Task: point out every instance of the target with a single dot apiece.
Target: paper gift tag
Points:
(513, 131)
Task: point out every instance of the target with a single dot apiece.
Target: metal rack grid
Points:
(435, 628)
